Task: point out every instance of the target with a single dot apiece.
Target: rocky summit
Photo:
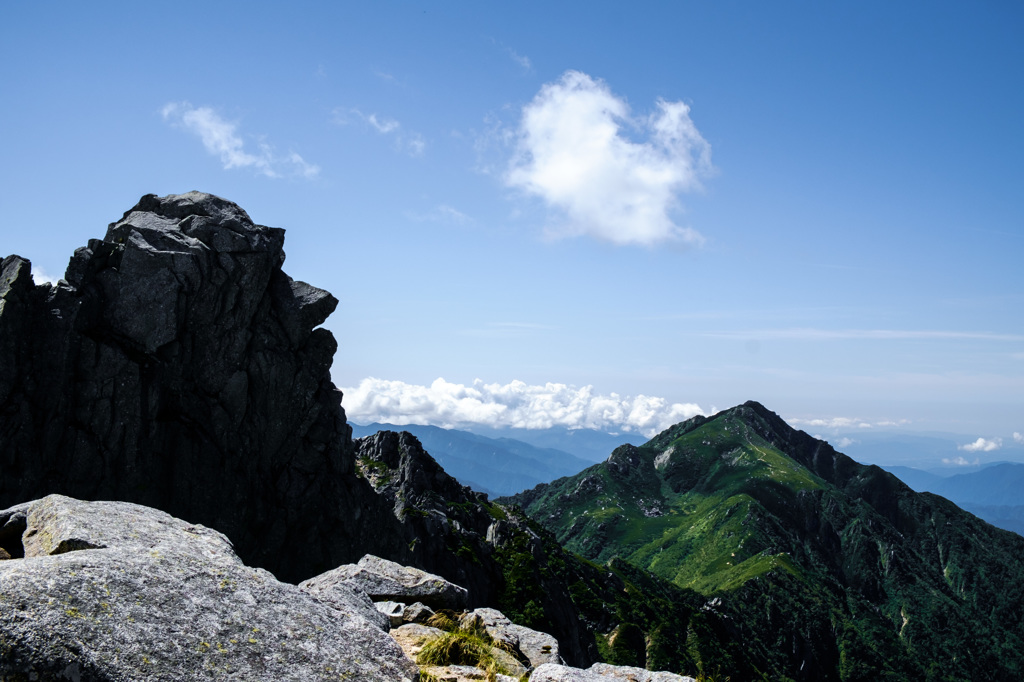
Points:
(178, 366)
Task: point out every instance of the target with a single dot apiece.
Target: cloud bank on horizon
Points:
(513, 405)
(573, 153)
(843, 423)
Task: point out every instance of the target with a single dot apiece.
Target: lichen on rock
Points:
(146, 596)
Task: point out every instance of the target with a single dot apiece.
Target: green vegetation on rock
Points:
(822, 568)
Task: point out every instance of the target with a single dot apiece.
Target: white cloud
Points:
(960, 462)
(516, 404)
(573, 152)
(832, 423)
(306, 170)
(893, 422)
(442, 213)
(843, 424)
(521, 60)
(415, 144)
(412, 143)
(39, 276)
(383, 126)
(845, 442)
(1019, 437)
(982, 445)
(220, 138)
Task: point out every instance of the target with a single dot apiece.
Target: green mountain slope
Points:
(826, 568)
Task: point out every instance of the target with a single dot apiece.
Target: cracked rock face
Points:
(179, 367)
(116, 591)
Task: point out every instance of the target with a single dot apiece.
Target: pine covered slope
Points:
(826, 568)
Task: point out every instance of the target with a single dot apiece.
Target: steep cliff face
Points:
(179, 367)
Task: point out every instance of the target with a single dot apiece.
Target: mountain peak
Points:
(178, 366)
(765, 519)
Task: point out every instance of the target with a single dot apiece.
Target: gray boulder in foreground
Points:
(115, 591)
(626, 673)
(385, 580)
(536, 647)
(602, 672)
(343, 598)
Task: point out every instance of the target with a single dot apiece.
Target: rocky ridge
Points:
(113, 591)
(178, 367)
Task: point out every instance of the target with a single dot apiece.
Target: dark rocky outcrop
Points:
(444, 524)
(179, 367)
(111, 591)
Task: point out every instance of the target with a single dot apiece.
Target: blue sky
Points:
(574, 213)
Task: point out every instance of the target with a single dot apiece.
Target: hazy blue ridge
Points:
(588, 444)
(995, 493)
(1007, 517)
(1000, 484)
(497, 466)
(918, 479)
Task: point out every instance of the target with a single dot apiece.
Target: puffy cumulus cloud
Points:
(221, 139)
(982, 445)
(516, 404)
(572, 152)
(1018, 437)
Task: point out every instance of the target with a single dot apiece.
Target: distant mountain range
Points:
(938, 453)
(496, 466)
(995, 493)
(588, 444)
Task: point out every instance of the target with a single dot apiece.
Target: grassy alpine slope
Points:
(825, 568)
